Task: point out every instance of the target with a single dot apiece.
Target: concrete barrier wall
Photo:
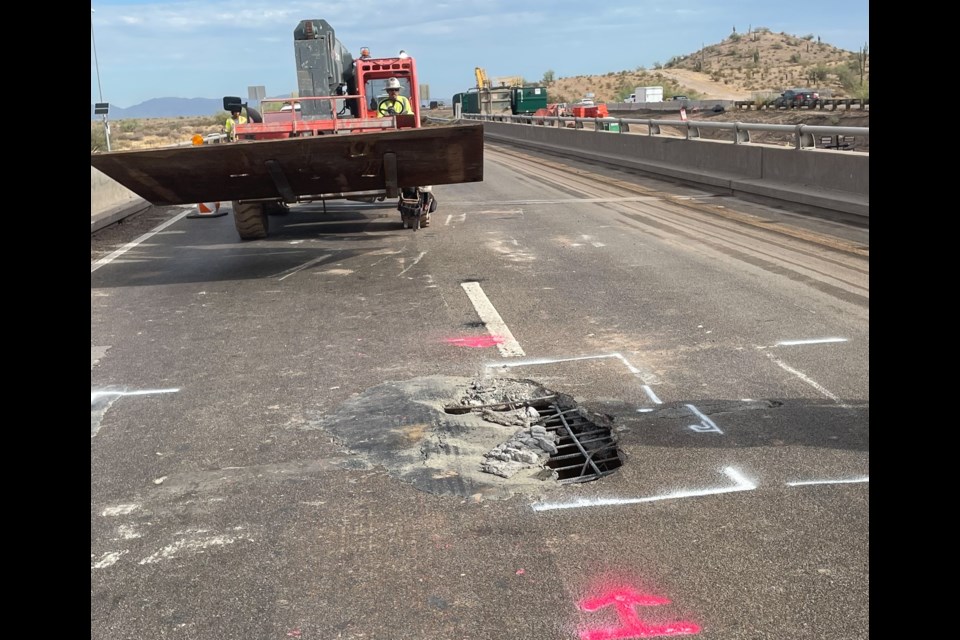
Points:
(110, 201)
(836, 180)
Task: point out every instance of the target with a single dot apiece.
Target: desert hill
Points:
(746, 66)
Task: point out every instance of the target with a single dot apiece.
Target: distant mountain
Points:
(165, 108)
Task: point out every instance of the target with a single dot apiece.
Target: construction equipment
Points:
(344, 141)
(508, 95)
(483, 82)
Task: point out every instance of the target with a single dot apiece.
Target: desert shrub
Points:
(818, 73)
(98, 138)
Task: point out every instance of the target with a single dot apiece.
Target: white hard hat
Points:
(393, 83)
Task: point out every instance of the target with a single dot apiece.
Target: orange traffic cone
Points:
(207, 210)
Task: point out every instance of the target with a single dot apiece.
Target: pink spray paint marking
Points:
(631, 625)
(475, 342)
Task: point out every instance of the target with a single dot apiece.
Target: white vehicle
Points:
(646, 94)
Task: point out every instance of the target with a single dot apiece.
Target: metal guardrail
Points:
(805, 136)
(828, 104)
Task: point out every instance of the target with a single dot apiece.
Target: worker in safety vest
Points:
(235, 118)
(394, 103)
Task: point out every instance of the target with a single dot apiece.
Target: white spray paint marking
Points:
(808, 380)
(107, 559)
(790, 343)
(650, 394)
(646, 378)
(96, 395)
(100, 401)
(741, 484)
(458, 218)
(497, 328)
(120, 510)
(130, 245)
(632, 369)
(807, 482)
(706, 424)
(306, 265)
(413, 264)
(503, 211)
(179, 546)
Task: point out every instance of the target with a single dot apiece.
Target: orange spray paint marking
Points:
(631, 625)
(476, 342)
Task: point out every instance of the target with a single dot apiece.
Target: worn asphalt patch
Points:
(403, 427)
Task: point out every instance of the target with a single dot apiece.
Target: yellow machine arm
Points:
(482, 81)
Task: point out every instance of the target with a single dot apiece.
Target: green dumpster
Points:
(610, 125)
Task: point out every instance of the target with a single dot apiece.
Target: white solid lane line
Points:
(509, 347)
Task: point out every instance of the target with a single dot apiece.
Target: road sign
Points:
(257, 93)
(101, 108)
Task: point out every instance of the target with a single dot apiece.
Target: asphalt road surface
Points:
(275, 454)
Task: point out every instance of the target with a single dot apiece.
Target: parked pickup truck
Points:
(796, 98)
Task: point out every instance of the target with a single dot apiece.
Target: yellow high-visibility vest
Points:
(400, 104)
(231, 123)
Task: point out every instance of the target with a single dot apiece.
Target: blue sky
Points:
(142, 49)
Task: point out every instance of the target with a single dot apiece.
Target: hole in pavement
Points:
(580, 449)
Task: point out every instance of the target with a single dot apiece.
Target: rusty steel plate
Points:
(327, 164)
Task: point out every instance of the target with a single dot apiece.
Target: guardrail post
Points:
(624, 127)
(653, 129)
(804, 140)
(740, 135)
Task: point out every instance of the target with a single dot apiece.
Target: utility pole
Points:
(102, 107)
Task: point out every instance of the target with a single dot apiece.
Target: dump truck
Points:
(344, 140)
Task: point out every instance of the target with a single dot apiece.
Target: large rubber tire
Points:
(251, 220)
